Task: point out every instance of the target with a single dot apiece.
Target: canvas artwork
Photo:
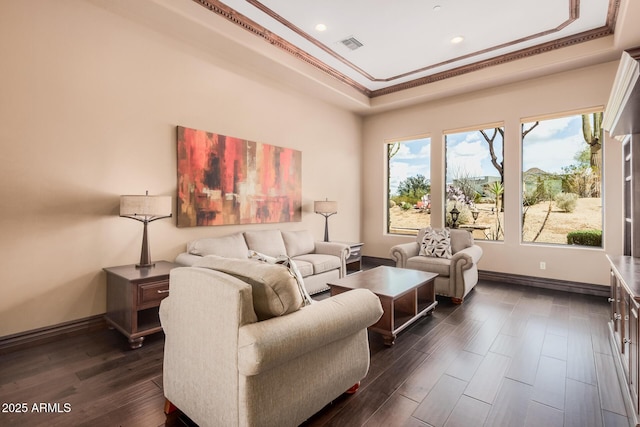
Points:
(224, 180)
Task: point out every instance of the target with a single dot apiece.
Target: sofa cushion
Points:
(320, 262)
(232, 246)
(268, 242)
(461, 239)
(442, 266)
(304, 267)
(298, 242)
(436, 243)
(274, 289)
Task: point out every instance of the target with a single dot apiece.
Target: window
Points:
(561, 180)
(475, 181)
(408, 185)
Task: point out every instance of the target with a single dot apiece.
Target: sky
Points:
(552, 145)
(413, 158)
(468, 155)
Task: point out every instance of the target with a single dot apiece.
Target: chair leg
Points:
(456, 301)
(354, 388)
(169, 407)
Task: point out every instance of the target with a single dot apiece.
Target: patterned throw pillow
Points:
(436, 243)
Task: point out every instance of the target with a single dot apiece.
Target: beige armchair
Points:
(457, 275)
(225, 367)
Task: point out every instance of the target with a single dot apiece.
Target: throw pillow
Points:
(436, 243)
(232, 246)
(298, 242)
(274, 291)
(291, 266)
(267, 242)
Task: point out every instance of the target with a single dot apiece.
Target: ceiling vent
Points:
(352, 43)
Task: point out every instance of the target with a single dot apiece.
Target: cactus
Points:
(593, 138)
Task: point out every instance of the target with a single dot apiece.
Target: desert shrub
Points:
(413, 188)
(464, 184)
(531, 198)
(486, 200)
(401, 200)
(566, 201)
(406, 206)
(583, 181)
(585, 238)
(455, 194)
(548, 187)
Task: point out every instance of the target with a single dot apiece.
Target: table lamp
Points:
(325, 208)
(145, 209)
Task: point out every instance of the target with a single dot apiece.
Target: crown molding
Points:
(220, 9)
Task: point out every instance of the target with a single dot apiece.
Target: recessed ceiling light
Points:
(437, 8)
(457, 39)
(321, 27)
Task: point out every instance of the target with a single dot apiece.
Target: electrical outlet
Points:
(543, 265)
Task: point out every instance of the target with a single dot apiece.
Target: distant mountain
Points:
(534, 172)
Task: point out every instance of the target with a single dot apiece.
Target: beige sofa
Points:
(318, 262)
(225, 367)
(456, 275)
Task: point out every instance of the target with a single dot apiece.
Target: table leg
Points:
(389, 340)
(135, 342)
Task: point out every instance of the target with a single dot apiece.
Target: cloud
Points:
(413, 158)
(419, 149)
(465, 158)
(549, 128)
(403, 170)
(553, 144)
(551, 154)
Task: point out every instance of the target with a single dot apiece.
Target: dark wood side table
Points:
(354, 262)
(133, 298)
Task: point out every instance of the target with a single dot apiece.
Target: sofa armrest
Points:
(270, 343)
(187, 259)
(340, 250)
(401, 253)
(461, 261)
(467, 257)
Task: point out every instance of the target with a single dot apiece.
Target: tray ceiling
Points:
(411, 43)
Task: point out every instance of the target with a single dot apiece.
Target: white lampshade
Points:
(325, 206)
(145, 205)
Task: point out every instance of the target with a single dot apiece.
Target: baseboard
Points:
(40, 336)
(546, 283)
(516, 279)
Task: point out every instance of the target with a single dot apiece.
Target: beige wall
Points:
(584, 88)
(88, 110)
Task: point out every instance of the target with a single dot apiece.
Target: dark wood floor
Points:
(509, 356)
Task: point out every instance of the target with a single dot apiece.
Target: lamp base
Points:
(145, 253)
(326, 228)
(153, 264)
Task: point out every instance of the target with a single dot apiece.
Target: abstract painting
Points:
(224, 180)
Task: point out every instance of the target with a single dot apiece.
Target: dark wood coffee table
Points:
(406, 295)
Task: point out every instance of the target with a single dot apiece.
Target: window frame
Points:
(554, 116)
(469, 129)
(387, 177)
